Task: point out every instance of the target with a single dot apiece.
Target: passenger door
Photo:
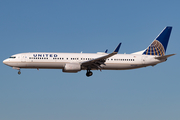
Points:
(23, 58)
(144, 58)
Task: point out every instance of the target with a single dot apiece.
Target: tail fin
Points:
(159, 45)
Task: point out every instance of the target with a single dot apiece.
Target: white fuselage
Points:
(59, 60)
(75, 62)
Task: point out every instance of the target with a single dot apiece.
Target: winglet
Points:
(106, 50)
(117, 48)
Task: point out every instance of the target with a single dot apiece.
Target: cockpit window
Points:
(12, 57)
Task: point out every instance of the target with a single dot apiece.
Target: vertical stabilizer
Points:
(159, 45)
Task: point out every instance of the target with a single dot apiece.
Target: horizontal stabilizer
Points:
(164, 57)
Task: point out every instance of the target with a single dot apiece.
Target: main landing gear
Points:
(89, 73)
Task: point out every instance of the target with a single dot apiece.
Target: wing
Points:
(97, 62)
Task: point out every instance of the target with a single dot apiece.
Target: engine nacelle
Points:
(72, 67)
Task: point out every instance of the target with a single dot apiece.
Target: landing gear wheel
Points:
(19, 72)
(89, 73)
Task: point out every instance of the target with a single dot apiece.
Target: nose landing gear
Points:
(19, 72)
(89, 73)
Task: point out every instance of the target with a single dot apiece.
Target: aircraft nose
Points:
(5, 62)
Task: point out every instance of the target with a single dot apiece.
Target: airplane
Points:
(75, 62)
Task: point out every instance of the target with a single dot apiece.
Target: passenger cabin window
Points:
(122, 59)
(37, 58)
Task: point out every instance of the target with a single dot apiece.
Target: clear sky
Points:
(92, 26)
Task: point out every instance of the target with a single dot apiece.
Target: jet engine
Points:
(72, 67)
